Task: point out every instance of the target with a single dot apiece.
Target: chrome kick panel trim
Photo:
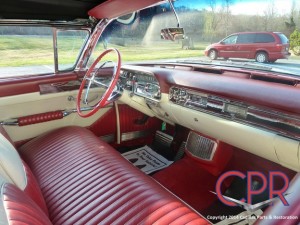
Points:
(201, 147)
(125, 136)
(108, 138)
(133, 135)
(241, 112)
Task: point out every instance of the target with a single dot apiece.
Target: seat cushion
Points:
(85, 181)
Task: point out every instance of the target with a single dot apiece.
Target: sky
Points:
(239, 6)
(281, 6)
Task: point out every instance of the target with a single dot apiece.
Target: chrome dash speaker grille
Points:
(201, 147)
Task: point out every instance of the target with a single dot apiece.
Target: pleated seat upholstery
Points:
(85, 181)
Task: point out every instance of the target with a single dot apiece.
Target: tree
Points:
(227, 14)
(291, 25)
(212, 19)
(295, 42)
(270, 13)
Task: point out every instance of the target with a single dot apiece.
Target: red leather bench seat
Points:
(85, 181)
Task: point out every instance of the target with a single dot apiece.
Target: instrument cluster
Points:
(140, 83)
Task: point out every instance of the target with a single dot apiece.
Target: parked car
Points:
(261, 46)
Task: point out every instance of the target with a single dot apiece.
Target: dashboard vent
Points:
(208, 70)
(274, 80)
(201, 147)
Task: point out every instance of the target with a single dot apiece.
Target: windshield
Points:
(260, 34)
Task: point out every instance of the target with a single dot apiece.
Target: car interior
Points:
(65, 136)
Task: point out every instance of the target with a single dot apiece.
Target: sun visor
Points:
(115, 8)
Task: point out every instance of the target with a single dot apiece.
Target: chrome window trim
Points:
(49, 23)
(84, 25)
(91, 44)
(79, 53)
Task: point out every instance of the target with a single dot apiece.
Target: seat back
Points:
(17, 208)
(5, 134)
(14, 171)
(11, 166)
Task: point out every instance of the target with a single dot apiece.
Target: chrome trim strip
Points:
(125, 136)
(91, 44)
(54, 36)
(108, 138)
(50, 23)
(10, 123)
(163, 137)
(134, 135)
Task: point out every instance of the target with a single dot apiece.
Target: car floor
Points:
(193, 184)
(189, 182)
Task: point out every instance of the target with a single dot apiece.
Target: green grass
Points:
(37, 50)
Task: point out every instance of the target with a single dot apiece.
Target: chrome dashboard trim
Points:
(284, 124)
(140, 83)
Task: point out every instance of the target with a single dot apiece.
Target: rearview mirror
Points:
(175, 33)
(127, 19)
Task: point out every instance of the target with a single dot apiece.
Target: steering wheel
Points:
(108, 96)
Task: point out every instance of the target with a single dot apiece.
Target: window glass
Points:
(25, 50)
(246, 38)
(69, 45)
(283, 38)
(141, 39)
(264, 38)
(205, 23)
(230, 40)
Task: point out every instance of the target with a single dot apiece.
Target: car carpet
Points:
(186, 179)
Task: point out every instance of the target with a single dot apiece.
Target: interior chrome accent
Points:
(108, 138)
(91, 44)
(201, 147)
(140, 83)
(118, 122)
(262, 117)
(13, 122)
(134, 135)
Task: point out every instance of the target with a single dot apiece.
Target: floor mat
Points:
(190, 182)
(146, 159)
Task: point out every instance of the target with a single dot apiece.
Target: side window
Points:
(26, 50)
(246, 38)
(283, 38)
(264, 38)
(69, 45)
(230, 40)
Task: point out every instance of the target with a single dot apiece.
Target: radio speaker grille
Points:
(201, 147)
